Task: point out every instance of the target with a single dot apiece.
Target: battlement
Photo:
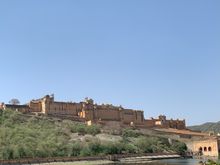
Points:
(163, 122)
(87, 110)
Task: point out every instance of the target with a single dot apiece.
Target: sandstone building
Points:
(162, 122)
(206, 147)
(203, 144)
(90, 112)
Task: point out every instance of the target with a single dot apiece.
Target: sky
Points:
(159, 56)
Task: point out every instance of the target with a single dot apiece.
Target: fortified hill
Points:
(118, 117)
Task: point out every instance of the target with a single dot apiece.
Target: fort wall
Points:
(162, 122)
(96, 112)
(103, 114)
(63, 108)
(20, 108)
(89, 111)
(35, 106)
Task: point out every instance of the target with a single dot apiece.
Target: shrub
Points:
(84, 129)
(130, 133)
(81, 129)
(22, 136)
(93, 130)
(130, 148)
(179, 147)
(76, 148)
(85, 151)
(152, 144)
(95, 148)
(112, 148)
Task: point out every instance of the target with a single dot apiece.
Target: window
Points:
(205, 149)
(158, 123)
(210, 149)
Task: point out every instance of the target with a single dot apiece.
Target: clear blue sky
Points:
(159, 56)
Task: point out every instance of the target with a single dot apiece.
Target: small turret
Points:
(162, 117)
(49, 98)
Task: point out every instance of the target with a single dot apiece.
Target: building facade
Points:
(163, 122)
(208, 147)
(96, 113)
(88, 111)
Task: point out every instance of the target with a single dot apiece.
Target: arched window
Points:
(205, 148)
(200, 149)
(210, 149)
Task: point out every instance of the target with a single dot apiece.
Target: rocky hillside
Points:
(207, 127)
(37, 136)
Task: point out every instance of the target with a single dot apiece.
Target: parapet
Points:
(88, 110)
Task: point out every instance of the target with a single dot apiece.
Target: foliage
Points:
(84, 129)
(179, 147)
(34, 136)
(150, 145)
(14, 101)
(211, 162)
(130, 133)
(22, 136)
(76, 148)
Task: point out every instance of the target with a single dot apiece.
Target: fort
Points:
(119, 117)
(90, 113)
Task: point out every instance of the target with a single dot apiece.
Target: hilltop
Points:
(23, 135)
(207, 127)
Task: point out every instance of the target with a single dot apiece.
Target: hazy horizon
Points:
(162, 57)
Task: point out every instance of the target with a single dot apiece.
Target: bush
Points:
(179, 147)
(95, 148)
(85, 151)
(113, 148)
(76, 148)
(144, 145)
(130, 148)
(130, 133)
(84, 129)
(81, 129)
(93, 130)
(152, 144)
(211, 162)
(22, 136)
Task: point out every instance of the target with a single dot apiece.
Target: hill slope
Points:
(37, 136)
(207, 127)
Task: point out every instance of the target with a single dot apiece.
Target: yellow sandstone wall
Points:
(162, 122)
(62, 108)
(104, 114)
(139, 117)
(35, 106)
(111, 113)
(48, 106)
(149, 123)
(128, 116)
(208, 147)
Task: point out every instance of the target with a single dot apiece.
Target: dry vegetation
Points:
(32, 136)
